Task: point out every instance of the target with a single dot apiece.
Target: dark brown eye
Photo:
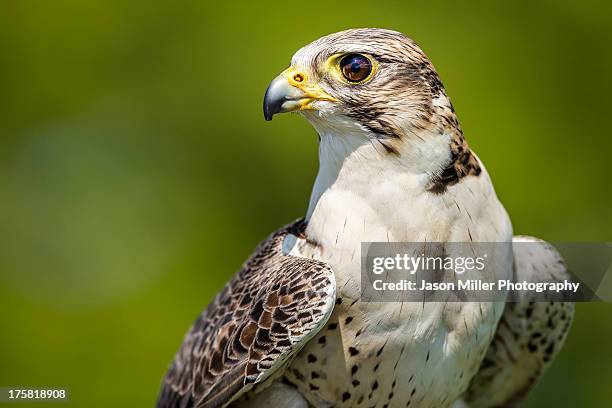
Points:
(355, 67)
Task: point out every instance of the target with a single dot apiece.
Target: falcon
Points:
(290, 328)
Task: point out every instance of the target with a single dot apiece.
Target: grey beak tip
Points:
(272, 104)
(267, 113)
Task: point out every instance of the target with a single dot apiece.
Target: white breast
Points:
(365, 195)
(370, 196)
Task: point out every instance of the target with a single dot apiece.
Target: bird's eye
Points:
(355, 67)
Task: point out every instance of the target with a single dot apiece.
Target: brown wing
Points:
(266, 313)
(529, 335)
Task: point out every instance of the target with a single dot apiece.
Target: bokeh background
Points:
(137, 172)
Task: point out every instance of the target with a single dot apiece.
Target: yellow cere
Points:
(312, 92)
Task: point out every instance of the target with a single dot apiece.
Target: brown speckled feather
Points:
(266, 313)
(529, 335)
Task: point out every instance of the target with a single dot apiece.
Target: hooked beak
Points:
(290, 91)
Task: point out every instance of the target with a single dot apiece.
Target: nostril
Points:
(298, 77)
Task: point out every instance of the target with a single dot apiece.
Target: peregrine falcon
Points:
(290, 328)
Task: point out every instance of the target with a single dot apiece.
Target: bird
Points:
(290, 329)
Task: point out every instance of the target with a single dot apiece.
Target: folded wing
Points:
(529, 335)
(263, 316)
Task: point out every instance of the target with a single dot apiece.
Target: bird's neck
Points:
(359, 164)
(431, 156)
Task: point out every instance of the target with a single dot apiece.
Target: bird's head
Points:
(375, 81)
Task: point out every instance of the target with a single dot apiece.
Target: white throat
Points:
(356, 162)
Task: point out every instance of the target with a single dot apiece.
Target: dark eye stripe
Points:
(355, 67)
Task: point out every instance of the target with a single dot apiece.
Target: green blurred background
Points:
(137, 172)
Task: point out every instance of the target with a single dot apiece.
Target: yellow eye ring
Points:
(352, 68)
